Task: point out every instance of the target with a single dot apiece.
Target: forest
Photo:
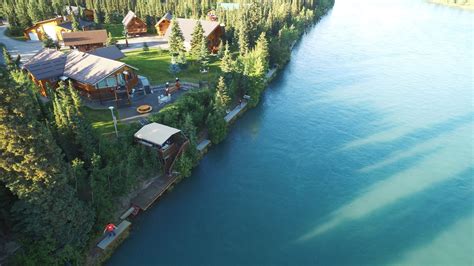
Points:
(60, 180)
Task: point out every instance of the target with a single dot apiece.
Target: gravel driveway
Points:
(25, 48)
(136, 43)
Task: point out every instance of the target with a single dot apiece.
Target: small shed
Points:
(85, 41)
(134, 25)
(170, 142)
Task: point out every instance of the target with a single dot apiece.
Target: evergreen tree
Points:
(189, 129)
(203, 54)
(110, 39)
(33, 11)
(196, 39)
(48, 42)
(222, 99)
(8, 59)
(75, 22)
(176, 39)
(243, 39)
(261, 49)
(226, 61)
(33, 169)
(220, 52)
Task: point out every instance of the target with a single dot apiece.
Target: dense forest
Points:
(60, 180)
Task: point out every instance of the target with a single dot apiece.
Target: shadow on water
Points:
(403, 228)
(449, 156)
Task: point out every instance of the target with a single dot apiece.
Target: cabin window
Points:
(107, 83)
(121, 80)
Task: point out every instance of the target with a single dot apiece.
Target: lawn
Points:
(116, 30)
(155, 64)
(101, 120)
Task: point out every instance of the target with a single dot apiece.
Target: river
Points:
(360, 152)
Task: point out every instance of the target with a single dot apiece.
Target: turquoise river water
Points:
(361, 152)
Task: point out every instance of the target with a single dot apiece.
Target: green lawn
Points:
(116, 30)
(154, 65)
(101, 120)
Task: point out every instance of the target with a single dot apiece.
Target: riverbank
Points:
(239, 108)
(467, 5)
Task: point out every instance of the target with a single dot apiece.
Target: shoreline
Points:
(95, 257)
(469, 7)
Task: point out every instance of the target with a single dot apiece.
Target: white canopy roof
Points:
(156, 133)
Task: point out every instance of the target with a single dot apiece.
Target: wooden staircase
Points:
(170, 163)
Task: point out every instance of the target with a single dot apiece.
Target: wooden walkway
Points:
(232, 114)
(107, 240)
(201, 147)
(146, 198)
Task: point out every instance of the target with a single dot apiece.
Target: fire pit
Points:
(143, 109)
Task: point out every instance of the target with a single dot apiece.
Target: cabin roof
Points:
(187, 27)
(89, 68)
(156, 133)
(128, 18)
(83, 67)
(82, 24)
(168, 16)
(110, 52)
(36, 24)
(84, 37)
(47, 63)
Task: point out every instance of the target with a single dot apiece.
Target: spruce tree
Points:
(75, 22)
(203, 54)
(222, 99)
(110, 39)
(226, 61)
(33, 169)
(176, 39)
(196, 39)
(243, 39)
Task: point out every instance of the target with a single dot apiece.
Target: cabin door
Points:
(33, 36)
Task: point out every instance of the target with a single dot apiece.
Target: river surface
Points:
(361, 152)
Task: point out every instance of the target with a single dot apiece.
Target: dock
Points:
(233, 114)
(202, 146)
(107, 240)
(150, 194)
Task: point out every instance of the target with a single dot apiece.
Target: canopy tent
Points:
(155, 133)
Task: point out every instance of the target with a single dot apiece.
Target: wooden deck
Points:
(107, 240)
(146, 198)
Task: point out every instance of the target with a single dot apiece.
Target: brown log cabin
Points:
(213, 31)
(85, 41)
(134, 25)
(96, 77)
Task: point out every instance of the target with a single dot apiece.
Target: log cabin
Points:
(170, 143)
(53, 28)
(85, 41)
(213, 31)
(163, 24)
(95, 77)
(134, 25)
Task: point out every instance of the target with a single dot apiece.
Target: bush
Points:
(217, 127)
(14, 31)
